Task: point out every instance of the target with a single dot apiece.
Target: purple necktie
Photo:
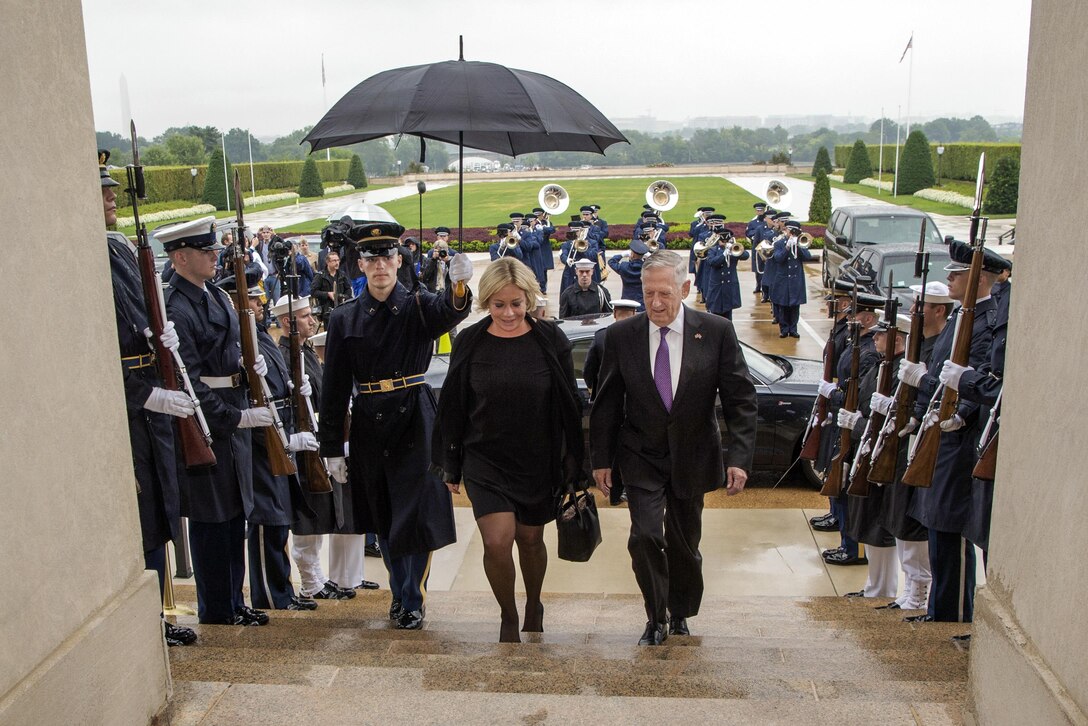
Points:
(663, 371)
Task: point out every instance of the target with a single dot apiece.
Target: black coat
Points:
(393, 492)
(150, 434)
(681, 448)
(450, 431)
(865, 515)
(210, 346)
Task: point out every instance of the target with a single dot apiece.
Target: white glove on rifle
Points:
(338, 468)
(950, 376)
(169, 337)
(260, 366)
(953, 424)
(932, 419)
(911, 373)
(303, 441)
(848, 419)
(305, 389)
(826, 389)
(910, 428)
(172, 403)
(255, 418)
(460, 269)
(881, 404)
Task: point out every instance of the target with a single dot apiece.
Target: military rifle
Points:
(986, 466)
(833, 484)
(817, 420)
(194, 436)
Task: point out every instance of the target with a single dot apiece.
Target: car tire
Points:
(806, 471)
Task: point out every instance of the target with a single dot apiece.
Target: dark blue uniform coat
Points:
(789, 281)
(630, 272)
(722, 286)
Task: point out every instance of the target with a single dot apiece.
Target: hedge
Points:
(170, 183)
(960, 160)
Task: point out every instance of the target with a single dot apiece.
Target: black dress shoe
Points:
(367, 585)
(251, 616)
(654, 634)
(372, 550)
(966, 638)
(678, 626)
(842, 558)
(782, 335)
(821, 518)
(827, 525)
(332, 591)
(893, 605)
(301, 602)
(918, 619)
(859, 593)
(395, 610)
(410, 620)
(831, 551)
(177, 635)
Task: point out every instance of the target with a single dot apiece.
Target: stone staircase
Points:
(751, 660)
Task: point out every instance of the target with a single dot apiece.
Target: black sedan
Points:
(876, 263)
(785, 387)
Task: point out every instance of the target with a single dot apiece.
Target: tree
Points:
(310, 185)
(356, 172)
(822, 165)
(858, 167)
(238, 145)
(157, 155)
(185, 149)
(216, 183)
(1004, 187)
(915, 164)
(819, 209)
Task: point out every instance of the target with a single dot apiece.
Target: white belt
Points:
(221, 381)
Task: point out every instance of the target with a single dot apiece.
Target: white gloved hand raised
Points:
(911, 373)
(460, 269)
(303, 441)
(881, 404)
(848, 419)
(172, 403)
(953, 424)
(255, 418)
(950, 376)
(338, 468)
(826, 389)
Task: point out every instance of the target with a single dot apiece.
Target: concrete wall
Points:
(78, 615)
(1031, 623)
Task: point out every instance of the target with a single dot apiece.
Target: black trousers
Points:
(407, 576)
(952, 561)
(269, 566)
(664, 547)
(218, 550)
(155, 559)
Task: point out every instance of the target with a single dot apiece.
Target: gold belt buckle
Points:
(386, 385)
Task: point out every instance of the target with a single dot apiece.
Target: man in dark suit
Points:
(664, 438)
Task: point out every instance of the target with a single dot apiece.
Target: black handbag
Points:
(578, 525)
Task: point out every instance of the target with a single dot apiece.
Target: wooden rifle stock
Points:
(317, 476)
(836, 472)
(986, 466)
(810, 449)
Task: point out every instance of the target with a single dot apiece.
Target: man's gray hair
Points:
(666, 259)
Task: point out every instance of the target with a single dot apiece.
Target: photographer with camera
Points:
(434, 270)
(330, 288)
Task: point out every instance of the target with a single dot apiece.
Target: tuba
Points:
(777, 194)
(662, 195)
(553, 199)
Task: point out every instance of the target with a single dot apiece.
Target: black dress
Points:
(509, 440)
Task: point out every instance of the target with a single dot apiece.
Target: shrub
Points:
(215, 184)
(310, 184)
(1004, 187)
(819, 209)
(915, 165)
(858, 167)
(356, 173)
(822, 163)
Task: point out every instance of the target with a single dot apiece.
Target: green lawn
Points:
(621, 200)
(909, 200)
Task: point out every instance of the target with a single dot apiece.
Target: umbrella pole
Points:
(460, 191)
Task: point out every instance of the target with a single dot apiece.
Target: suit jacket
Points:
(629, 426)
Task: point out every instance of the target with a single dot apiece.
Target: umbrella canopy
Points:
(480, 105)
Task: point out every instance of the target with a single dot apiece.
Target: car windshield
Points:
(885, 229)
(764, 368)
(902, 269)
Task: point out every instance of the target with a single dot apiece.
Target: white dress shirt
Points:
(675, 338)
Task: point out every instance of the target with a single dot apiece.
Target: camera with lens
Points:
(443, 254)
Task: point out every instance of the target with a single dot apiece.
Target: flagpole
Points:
(324, 102)
(898, 120)
(910, 79)
(880, 159)
(226, 181)
(252, 178)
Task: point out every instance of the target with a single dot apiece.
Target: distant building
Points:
(476, 163)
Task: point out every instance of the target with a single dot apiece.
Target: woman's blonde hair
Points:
(508, 271)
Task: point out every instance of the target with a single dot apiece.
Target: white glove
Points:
(826, 389)
(950, 376)
(932, 419)
(260, 366)
(460, 269)
(172, 403)
(347, 447)
(910, 428)
(953, 424)
(306, 390)
(303, 441)
(911, 373)
(169, 337)
(338, 468)
(848, 419)
(255, 418)
(881, 404)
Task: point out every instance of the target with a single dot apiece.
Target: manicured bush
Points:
(915, 165)
(960, 161)
(310, 185)
(822, 163)
(356, 173)
(216, 185)
(858, 167)
(819, 209)
(1004, 186)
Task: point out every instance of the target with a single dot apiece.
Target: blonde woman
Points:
(510, 426)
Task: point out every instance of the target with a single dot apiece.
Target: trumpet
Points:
(736, 249)
(512, 238)
(804, 241)
(652, 244)
(765, 249)
(553, 199)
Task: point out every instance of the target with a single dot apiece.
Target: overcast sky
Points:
(257, 65)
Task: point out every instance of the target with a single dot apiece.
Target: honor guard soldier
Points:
(719, 270)
(789, 292)
(379, 346)
(215, 501)
(569, 251)
(508, 245)
(944, 506)
(546, 229)
(630, 270)
(584, 297)
(151, 407)
(755, 224)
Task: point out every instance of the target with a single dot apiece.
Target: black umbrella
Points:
(483, 106)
